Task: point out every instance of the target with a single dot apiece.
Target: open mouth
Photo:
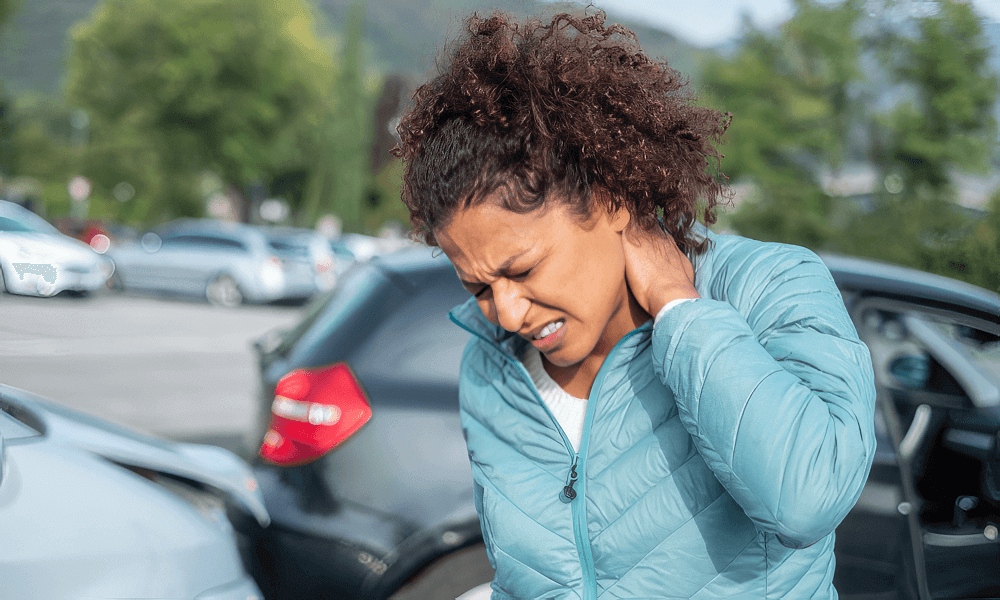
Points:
(549, 329)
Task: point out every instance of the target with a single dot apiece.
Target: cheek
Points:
(487, 307)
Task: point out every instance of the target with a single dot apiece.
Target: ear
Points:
(620, 219)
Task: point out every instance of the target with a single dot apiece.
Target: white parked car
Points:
(309, 262)
(36, 259)
(89, 509)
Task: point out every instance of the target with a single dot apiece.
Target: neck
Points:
(578, 379)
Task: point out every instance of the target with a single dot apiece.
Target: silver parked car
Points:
(92, 510)
(36, 259)
(226, 263)
(309, 261)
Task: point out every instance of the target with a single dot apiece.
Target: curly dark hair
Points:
(573, 107)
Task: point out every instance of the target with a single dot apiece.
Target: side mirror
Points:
(913, 371)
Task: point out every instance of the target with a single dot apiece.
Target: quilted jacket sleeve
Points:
(774, 386)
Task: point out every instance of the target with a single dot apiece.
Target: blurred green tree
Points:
(341, 178)
(802, 104)
(174, 89)
(7, 8)
(39, 146)
(944, 124)
(791, 104)
(948, 122)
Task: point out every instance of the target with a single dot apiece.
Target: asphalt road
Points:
(178, 369)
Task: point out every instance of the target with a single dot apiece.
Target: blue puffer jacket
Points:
(720, 448)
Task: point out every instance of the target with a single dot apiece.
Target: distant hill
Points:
(34, 45)
(402, 36)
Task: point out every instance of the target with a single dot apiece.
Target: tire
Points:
(449, 576)
(224, 291)
(3, 283)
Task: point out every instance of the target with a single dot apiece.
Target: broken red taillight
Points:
(314, 410)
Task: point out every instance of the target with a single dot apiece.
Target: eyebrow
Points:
(503, 269)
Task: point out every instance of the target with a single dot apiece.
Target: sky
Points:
(711, 22)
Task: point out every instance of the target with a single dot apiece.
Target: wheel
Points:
(3, 283)
(224, 291)
(461, 572)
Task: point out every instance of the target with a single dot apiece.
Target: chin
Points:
(562, 358)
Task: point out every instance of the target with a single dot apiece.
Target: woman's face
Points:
(545, 275)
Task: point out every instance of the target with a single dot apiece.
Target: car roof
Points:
(284, 231)
(854, 274)
(874, 277)
(210, 226)
(413, 260)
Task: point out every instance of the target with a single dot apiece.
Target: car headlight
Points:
(107, 267)
(272, 275)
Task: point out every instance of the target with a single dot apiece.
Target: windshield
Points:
(28, 222)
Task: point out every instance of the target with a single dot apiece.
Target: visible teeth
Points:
(549, 330)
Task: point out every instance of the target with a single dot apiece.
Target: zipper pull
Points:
(568, 493)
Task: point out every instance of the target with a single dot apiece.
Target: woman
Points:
(652, 410)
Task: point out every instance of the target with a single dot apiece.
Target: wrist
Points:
(664, 297)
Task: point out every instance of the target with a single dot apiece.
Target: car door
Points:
(926, 524)
(192, 260)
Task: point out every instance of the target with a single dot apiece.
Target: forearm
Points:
(789, 436)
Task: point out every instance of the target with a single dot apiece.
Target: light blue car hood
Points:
(210, 465)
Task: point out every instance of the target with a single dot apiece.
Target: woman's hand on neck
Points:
(656, 270)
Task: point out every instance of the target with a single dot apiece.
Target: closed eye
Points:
(521, 276)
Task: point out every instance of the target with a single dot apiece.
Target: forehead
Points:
(481, 238)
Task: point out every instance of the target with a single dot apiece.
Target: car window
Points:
(315, 338)
(290, 246)
(203, 241)
(931, 355)
(28, 222)
(13, 429)
(418, 343)
(12, 225)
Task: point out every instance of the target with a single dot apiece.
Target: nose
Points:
(509, 305)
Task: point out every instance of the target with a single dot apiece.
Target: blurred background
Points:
(234, 154)
(250, 139)
(863, 127)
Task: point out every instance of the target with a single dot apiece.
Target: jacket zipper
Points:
(568, 493)
(577, 469)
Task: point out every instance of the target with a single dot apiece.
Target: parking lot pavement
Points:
(177, 369)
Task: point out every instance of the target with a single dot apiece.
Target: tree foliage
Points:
(7, 8)
(341, 179)
(948, 121)
(944, 124)
(173, 89)
(910, 92)
(789, 93)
